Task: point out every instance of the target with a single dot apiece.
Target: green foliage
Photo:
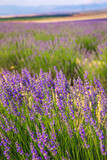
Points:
(1, 36)
(87, 42)
(43, 36)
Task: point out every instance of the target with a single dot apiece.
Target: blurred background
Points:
(47, 8)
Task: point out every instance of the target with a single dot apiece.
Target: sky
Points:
(48, 2)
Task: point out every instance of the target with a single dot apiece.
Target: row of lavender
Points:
(46, 36)
(44, 118)
(70, 46)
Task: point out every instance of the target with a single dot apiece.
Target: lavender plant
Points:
(70, 46)
(44, 118)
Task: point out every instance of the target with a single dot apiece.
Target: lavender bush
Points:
(42, 118)
(70, 46)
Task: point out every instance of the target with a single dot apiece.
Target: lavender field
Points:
(53, 91)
